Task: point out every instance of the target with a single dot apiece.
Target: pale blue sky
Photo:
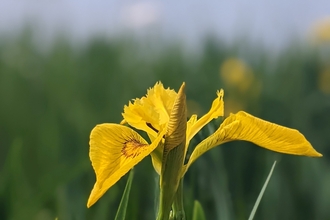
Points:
(271, 22)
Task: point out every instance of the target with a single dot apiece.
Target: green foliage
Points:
(51, 99)
(256, 204)
(122, 209)
(198, 213)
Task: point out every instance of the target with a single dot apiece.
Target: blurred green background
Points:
(51, 99)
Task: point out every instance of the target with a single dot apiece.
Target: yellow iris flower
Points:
(116, 148)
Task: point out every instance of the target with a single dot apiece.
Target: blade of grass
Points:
(261, 192)
(121, 212)
(198, 212)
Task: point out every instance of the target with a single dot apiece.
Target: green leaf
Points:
(198, 213)
(121, 212)
(261, 192)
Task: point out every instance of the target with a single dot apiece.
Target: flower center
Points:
(130, 148)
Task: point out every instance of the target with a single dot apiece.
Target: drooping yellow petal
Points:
(269, 135)
(217, 109)
(151, 113)
(243, 126)
(114, 150)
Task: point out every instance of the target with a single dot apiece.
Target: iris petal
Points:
(217, 109)
(269, 135)
(243, 126)
(162, 101)
(151, 113)
(114, 150)
(140, 114)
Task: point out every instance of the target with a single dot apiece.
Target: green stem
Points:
(178, 209)
(164, 209)
(177, 212)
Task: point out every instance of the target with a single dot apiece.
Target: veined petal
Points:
(269, 135)
(177, 124)
(114, 150)
(243, 126)
(142, 116)
(151, 113)
(192, 120)
(217, 109)
(162, 100)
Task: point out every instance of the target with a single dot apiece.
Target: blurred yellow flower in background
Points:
(240, 83)
(324, 80)
(321, 31)
(235, 73)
